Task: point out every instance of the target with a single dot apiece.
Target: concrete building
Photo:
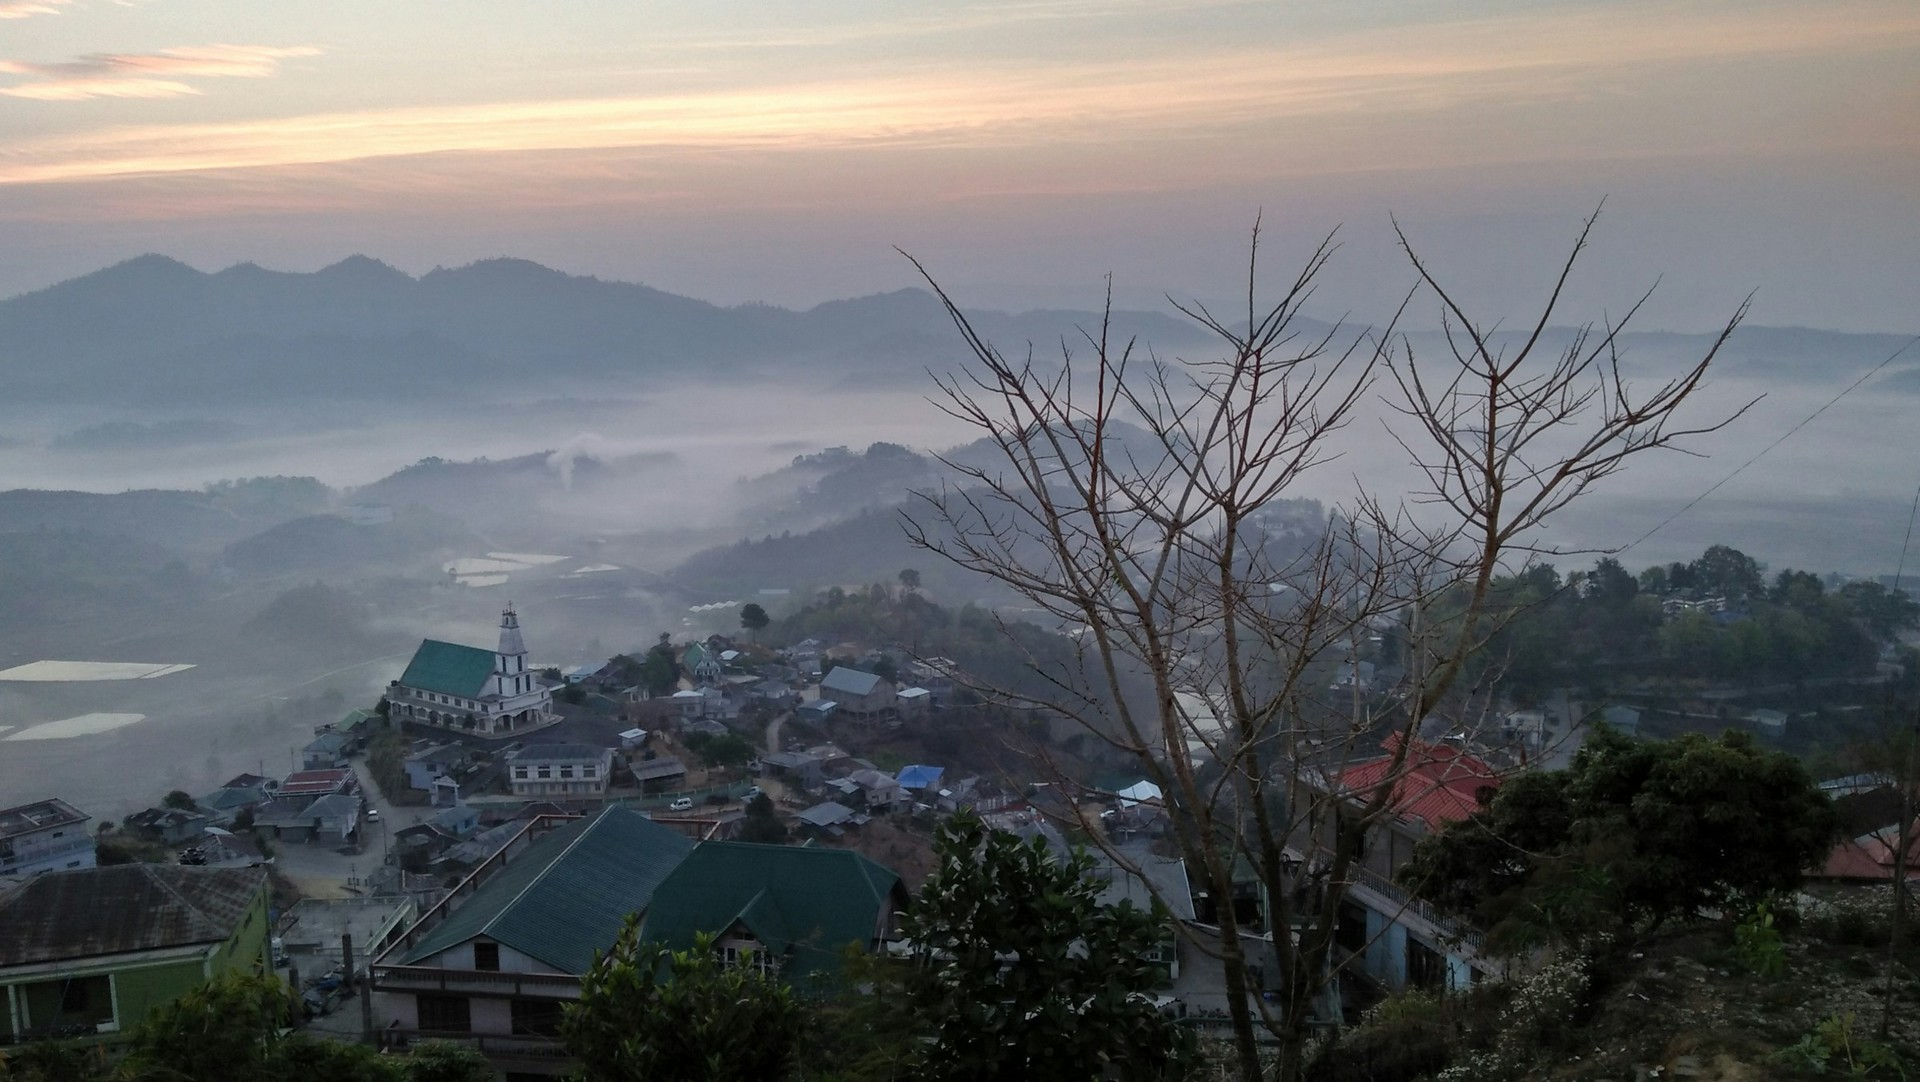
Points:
(571, 771)
(50, 835)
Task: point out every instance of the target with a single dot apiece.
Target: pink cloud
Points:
(145, 75)
(27, 9)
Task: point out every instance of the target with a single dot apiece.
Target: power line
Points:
(1784, 436)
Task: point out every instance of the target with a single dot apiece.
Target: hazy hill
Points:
(155, 326)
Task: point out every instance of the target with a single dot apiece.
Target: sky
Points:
(1024, 150)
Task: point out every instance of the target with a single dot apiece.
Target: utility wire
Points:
(1783, 437)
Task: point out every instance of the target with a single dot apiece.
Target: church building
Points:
(485, 692)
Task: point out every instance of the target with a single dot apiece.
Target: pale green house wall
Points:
(137, 983)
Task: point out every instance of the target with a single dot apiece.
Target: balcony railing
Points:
(493, 1046)
(475, 982)
(1371, 880)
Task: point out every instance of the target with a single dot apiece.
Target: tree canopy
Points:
(1020, 972)
(648, 1014)
(1631, 833)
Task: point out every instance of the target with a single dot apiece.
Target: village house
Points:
(44, 836)
(860, 694)
(494, 964)
(429, 764)
(169, 826)
(702, 664)
(316, 783)
(1398, 940)
(92, 951)
(357, 726)
(484, 692)
(912, 703)
(576, 771)
(327, 751)
(796, 768)
(786, 909)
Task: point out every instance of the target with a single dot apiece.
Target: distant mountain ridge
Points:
(155, 329)
(153, 326)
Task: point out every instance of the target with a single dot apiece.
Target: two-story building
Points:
(92, 951)
(484, 692)
(790, 909)
(1389, 935)
(45, 836)
(495, 963)
(860, 694)
(566, 771)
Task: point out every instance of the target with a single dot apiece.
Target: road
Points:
(323, 871)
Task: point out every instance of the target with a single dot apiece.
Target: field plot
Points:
(60, 671)
(83, 725)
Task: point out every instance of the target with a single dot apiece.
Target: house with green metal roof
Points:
(499, 959)
(790, 908)
(485, 692)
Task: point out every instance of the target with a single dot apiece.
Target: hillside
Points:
(155, 327)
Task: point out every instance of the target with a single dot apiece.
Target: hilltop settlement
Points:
(453, 861)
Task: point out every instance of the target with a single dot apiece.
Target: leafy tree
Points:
(1019, 972)
(227, 1029)
(909, 579)
(1727, 572)
(763, 824)
(1631, 833)
(447, 1061)
(754, 619)
(178, 799)
(1609, 584)
(648, 1014)
(660, 672)
(725, 749)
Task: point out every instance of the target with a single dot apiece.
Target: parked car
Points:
(752, 793)
(685, 803)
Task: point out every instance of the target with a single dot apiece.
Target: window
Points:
(1351, 932)
(546, 772)
(486, 956)
(536, 1017)
(589, 772)
(445, 1014)
(566, 772)
(520, 773)
(759, 958)
(1426, 968)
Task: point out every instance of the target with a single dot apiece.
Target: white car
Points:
(685, 803)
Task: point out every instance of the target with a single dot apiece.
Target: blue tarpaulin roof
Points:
(920, 777)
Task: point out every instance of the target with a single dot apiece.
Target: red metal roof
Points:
(1438, 783)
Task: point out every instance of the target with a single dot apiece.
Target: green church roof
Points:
(803, 904)
(449, 668)
(566, 896)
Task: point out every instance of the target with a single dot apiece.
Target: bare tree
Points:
(1133, 499)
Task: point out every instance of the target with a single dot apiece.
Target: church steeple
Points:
(513, 651)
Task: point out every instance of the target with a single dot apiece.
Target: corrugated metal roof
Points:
(449, 668)
(565, 897)
(89, 912)
(802, 903)
(850, 681)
